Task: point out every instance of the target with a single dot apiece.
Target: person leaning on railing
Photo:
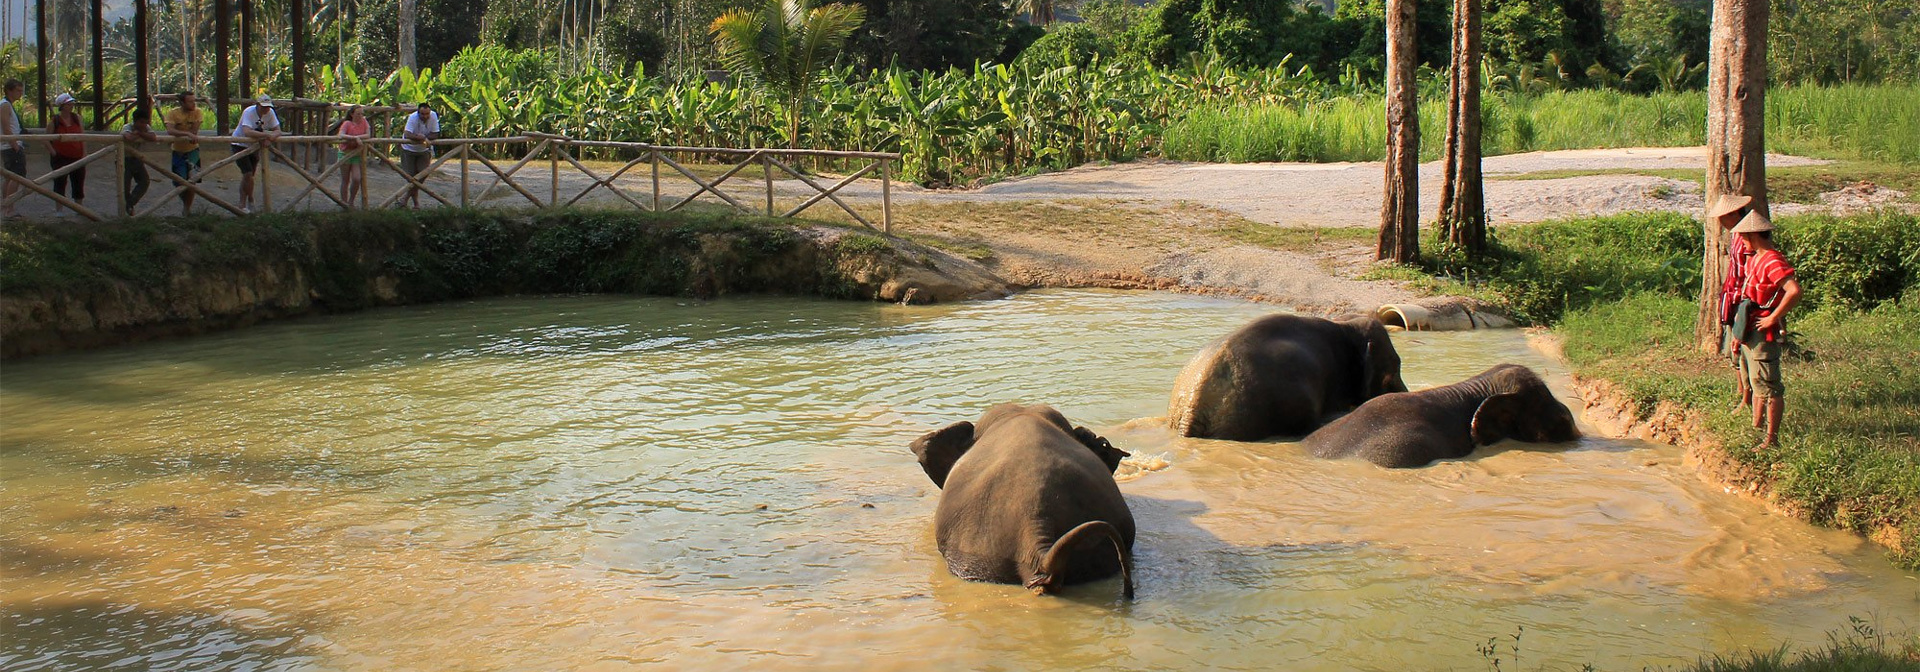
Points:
(63, 154)
(422, 128)
(183, 125)
(261, 124)
(353, 168)
(13, 153)
(136, 135)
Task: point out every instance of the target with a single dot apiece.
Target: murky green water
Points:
(589, 483)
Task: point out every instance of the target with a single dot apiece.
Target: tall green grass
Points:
(1880, 123)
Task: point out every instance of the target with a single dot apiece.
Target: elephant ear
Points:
(1101, 448)
(1369, 378)
(939, 449)
(1495, 417)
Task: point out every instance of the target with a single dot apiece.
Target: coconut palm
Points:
(784, 47)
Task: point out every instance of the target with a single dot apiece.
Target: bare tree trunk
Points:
(409, 12)
(1463, 211)
(1736, 148)
(1450, 153)
(1400, 214)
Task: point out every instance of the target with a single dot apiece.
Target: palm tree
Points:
(784, 47)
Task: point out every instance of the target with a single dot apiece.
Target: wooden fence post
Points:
(364, 165)
(266, 176)
(464, 151)
(553, 166)
(656, 180)
(120, 178)
(766, 168)
(886, 196)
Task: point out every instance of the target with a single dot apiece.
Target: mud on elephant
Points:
(1028, 498)
(1283, 375)
(1414, 429)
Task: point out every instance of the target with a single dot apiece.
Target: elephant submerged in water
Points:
(1028, 498)
(1413, 429)
(1283, 375)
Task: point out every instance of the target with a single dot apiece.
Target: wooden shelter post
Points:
(40, 47)
(143, 96)
(246, 53)
(99, 66)
(222, 20)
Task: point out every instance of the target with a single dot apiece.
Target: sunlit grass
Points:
(1850, 122)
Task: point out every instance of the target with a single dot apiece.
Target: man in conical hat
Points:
(1727, 212)
(1770, 284)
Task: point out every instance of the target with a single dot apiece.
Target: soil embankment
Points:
(70, 287)
(1618, 415)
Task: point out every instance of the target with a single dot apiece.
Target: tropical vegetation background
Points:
(975, 89)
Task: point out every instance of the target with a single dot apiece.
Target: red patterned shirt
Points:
(1765, 272)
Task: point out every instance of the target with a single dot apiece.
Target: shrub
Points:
(1068, 44)
(1855, 263)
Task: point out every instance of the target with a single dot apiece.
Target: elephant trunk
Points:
(1057, 558)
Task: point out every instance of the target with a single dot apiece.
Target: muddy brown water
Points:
(599, 482)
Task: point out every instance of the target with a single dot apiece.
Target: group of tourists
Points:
(259, 126)
(1759, 289)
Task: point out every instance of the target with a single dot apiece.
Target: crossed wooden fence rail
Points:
(554, 148)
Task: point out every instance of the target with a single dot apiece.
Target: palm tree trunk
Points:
(1736, 153)
(409, 13)
(1400, 213)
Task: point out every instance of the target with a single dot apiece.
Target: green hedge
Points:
(1542, 271)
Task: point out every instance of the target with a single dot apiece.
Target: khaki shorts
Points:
(1760, 363)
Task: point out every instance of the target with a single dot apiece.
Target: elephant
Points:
(1413, 429)
(1028, 498)
(1283, 375)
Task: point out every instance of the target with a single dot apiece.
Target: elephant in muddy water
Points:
(1413, 429)
(1028, 498)
(1283, 375)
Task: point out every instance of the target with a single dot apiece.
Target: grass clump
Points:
(1291, 238)
(1621, 292)
(1862, 649)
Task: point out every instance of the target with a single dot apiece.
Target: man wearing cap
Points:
(262, 125)
(1728, 212)
(1770, 285)
(62, 154)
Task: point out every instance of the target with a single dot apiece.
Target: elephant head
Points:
(938, 450)
(1519, 406)
(1379, 362)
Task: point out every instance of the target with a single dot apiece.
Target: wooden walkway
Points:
(474, 172)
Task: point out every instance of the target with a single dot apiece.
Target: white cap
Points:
(63, 99)
(264, 100)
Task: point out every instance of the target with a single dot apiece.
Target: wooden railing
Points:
(466, 152)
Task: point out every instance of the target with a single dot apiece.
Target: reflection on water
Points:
(593, 482)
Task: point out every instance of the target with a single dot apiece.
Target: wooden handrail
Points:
(550, 147)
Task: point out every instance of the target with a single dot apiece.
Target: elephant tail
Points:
(1057, 558)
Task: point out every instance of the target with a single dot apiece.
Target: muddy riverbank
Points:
(73, 286)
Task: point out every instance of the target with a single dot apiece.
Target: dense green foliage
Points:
(1621, 292)
(1544, 271)
(433, 254)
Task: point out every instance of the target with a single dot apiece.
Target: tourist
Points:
(63, 154)
(136, 135)
(1770, 285)
(183, 124)
(13, 153)
(1727, 212)
(259, 123)
(422, 128)
(353, 168)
